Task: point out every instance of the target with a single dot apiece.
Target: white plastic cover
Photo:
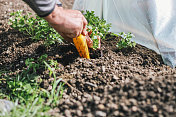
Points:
(153, 22)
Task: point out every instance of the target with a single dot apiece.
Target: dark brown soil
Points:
(130, 82)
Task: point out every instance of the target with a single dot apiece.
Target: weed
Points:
(32, 100)
(32, 65)
(29, 110)
(35, 27)
(124, 40)
(96, 27)
(99, 27)
(54, 96)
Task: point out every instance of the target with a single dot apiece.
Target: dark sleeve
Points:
(43, 7)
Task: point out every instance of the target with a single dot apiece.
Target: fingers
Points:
(89, 41)
(84, 31)
(68, 23)
(78, 14)
(99, 41)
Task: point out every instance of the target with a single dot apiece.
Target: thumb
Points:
(84, 31)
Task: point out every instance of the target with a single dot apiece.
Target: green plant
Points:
(124, 40)
(96, 27)
(54, 64)
(54, 94)
(31, 65)
(34, 65)
(33, 109)
(24, 89)
(35, 27)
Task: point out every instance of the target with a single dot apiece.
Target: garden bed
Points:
(127, 82)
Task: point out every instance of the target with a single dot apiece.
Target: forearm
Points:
(56, 14)
(43, 7)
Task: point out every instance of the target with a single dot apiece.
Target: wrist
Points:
(55, 16)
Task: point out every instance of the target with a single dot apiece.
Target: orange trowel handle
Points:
(81, 46)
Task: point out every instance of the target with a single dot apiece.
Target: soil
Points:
(130, 82)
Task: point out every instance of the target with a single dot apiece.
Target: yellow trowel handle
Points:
(81, 46)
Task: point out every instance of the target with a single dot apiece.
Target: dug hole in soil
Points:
(128, 82)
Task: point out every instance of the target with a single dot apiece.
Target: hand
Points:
(68, 23)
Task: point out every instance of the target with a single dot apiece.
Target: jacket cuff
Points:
(43, 7)
(58, 3)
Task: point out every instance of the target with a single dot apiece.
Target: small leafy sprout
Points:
(34, 27)
(31, 64)
(96, 27)
(99, 26)
(125, 40)
(95, 42)
(34, 65)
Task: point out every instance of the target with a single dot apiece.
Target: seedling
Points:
(34, 27)
(54, 95)
(96, 28)
(32, 65)
(124, 40)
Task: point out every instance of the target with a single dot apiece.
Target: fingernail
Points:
(85, 32)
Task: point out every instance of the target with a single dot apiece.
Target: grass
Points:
(25, 91)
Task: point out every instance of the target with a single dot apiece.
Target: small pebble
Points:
(116, 113)
(67, 113)
(96, 98)
(79, 113)
(89, 115)
(103, 69)
(100, 113)
(155, 109)
(134, 108)
(101, 107)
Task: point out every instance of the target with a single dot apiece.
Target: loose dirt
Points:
(130, 82)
